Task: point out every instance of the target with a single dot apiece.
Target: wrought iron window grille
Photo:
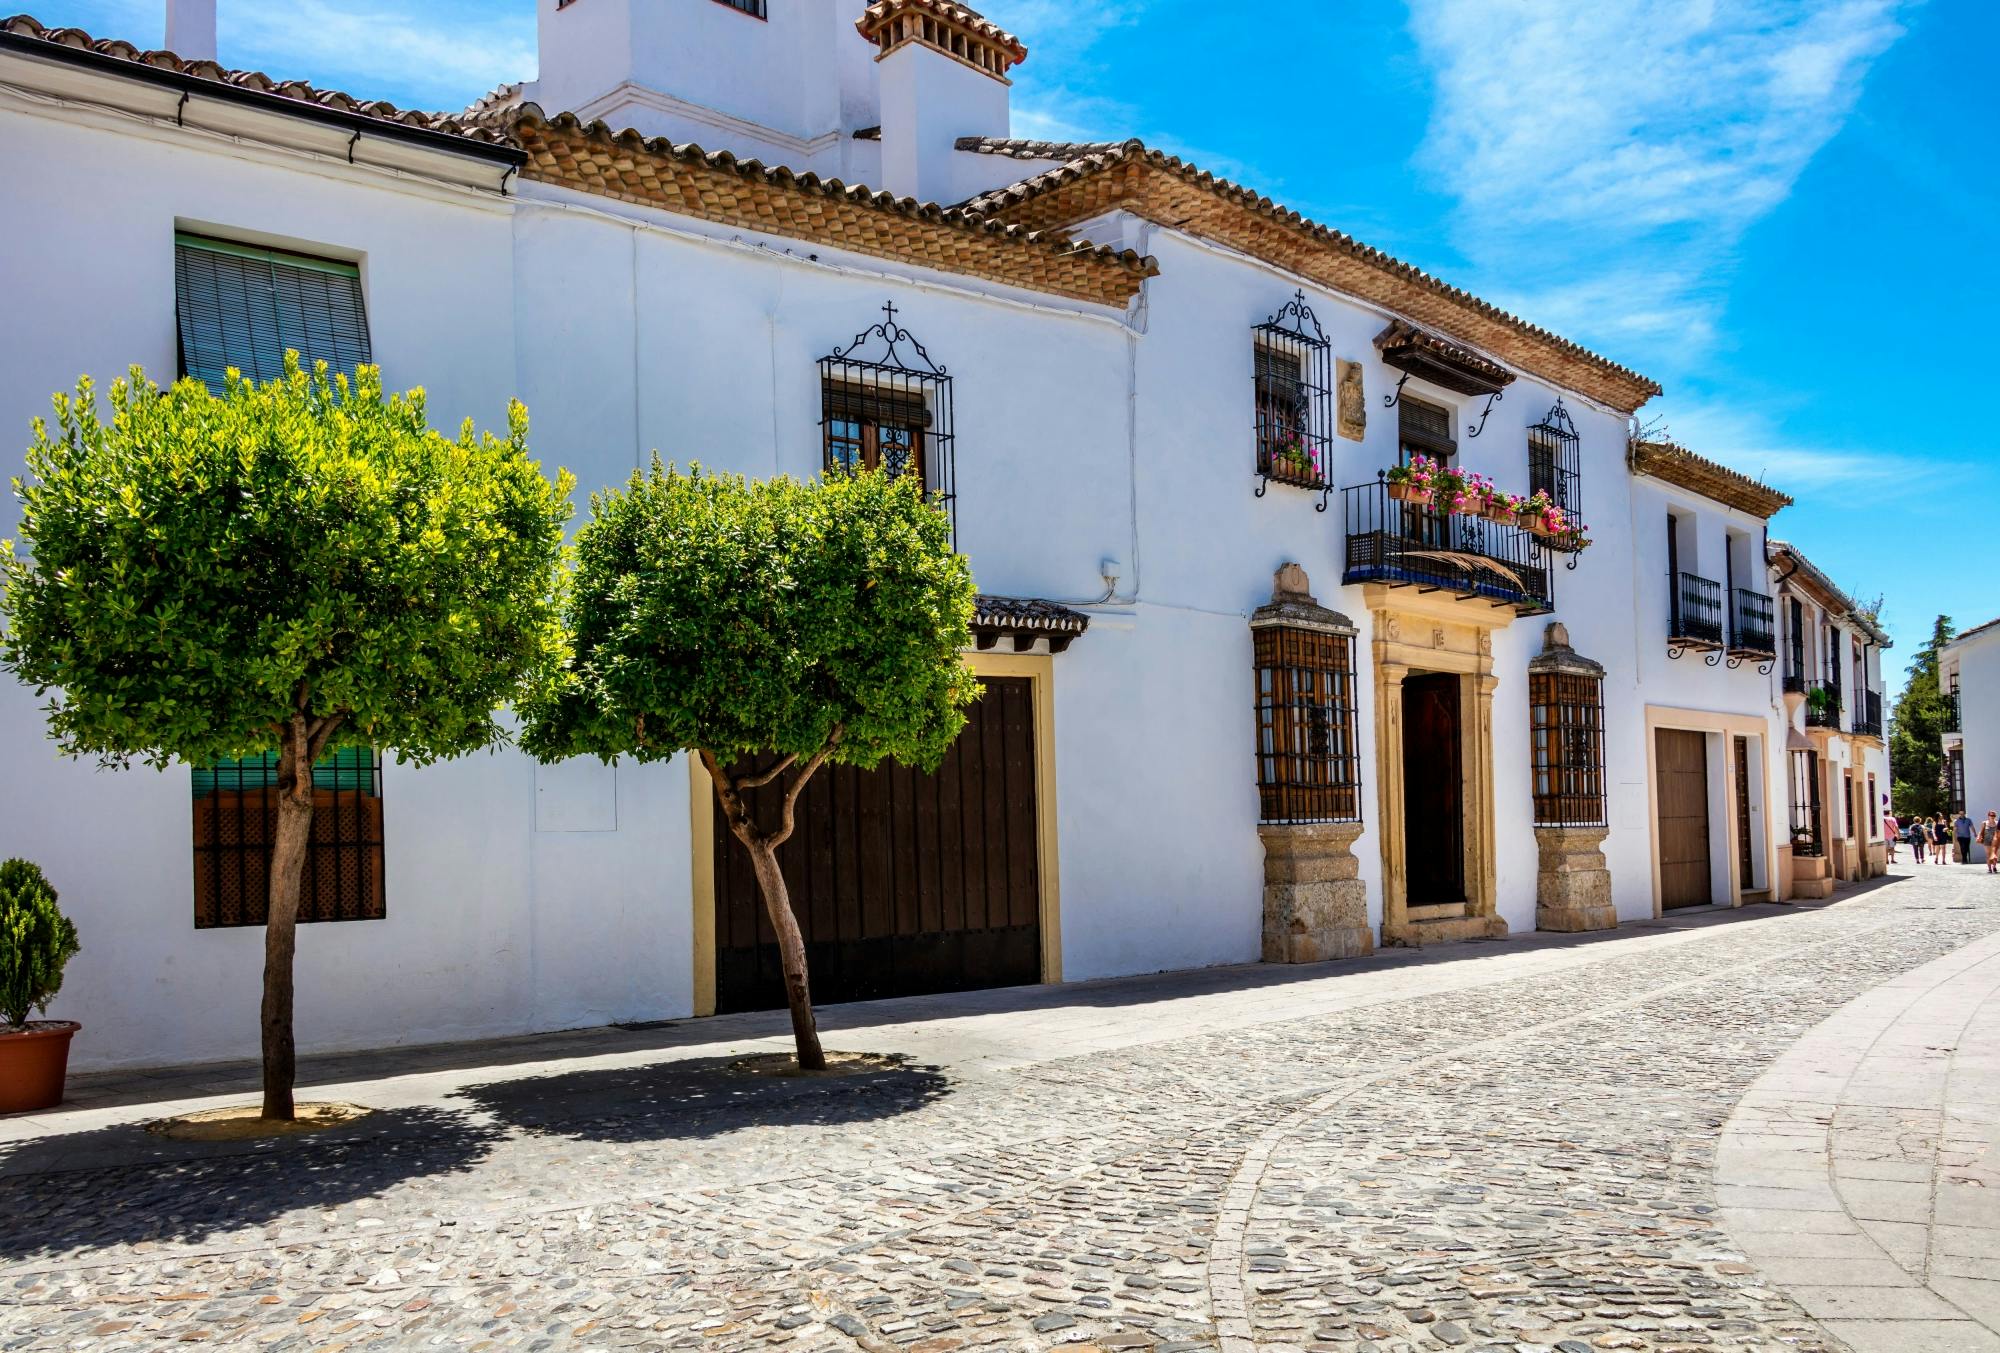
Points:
(886, 404)
(1807, 837)
(1695, 621)
(1308, 758)
(235, 824)
(1293, 380)
(1555, 460)
(754, 8)
(1566, 713)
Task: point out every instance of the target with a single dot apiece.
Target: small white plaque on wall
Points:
(577, 795)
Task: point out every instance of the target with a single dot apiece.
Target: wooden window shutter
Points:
(240, 306)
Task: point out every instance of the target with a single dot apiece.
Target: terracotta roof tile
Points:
(1829, 592)
(1711, 479)
(716, 185)
(1100, 176)
(256, 82)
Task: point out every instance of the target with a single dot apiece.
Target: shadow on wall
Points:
(702, 1098)
(124, 1186)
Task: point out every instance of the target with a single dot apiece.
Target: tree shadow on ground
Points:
(124, 1186)
(697, 1098)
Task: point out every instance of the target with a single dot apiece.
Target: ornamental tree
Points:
(294, 567)
(767, 628)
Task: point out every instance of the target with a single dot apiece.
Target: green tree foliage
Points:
(36, 942)
(1917, 724)
(778, 624)
(291, 567)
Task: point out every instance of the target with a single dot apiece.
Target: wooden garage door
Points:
(1683, 770)
(903, 883)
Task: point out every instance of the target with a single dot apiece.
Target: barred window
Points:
(241, 306)
(1566, 713)
(1555, 461)
(1292, 364)
(754, 8)
(884, 404)
(1308, 767)
(235, 824)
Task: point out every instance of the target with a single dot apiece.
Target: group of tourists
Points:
(1936, 837)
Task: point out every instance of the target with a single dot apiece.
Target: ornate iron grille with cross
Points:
(1555, 460)
(885, 404)
(1293, 368)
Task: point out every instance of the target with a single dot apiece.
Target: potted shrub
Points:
(1471, 499)
(1419, 480)
(1528, 511)
(1551, 524)
(1504, 508)
(36, 940)
(1398, 477)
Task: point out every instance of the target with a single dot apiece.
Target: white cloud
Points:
(435, 52)
(1607, 158)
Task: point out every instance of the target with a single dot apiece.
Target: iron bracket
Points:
(1491, 400)
(1389, 400)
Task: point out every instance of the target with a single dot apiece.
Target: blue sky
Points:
(1781, 210)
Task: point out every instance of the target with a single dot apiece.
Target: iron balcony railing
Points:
(1696, 621)
(1868, 718)
(1822, 707)
(1411, 545)
(1753, 630)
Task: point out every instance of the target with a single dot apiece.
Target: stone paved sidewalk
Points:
(1493, 1146)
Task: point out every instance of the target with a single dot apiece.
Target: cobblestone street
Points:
(1513, 1145)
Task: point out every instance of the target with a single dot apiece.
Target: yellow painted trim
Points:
(1040, 671)
(701, 846)
(1728, 725)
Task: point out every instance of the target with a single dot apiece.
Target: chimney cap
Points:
(945, 26)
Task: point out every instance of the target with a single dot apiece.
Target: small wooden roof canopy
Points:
(1439, 361)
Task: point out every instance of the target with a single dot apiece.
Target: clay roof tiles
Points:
(250, 81)
(716, 185)
(1098, 176)
(1676, 464)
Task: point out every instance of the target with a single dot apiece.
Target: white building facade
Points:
(1242, 702)
(1969, 680)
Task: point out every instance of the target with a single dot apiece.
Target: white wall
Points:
(1978, 662)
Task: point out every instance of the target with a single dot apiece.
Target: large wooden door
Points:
(1682, 759)
(1433, 797)
(903, 883)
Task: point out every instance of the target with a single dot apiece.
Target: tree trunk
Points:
(791, 948)
(288, 866)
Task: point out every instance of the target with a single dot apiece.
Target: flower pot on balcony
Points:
(1401, 489)
(34, 1060)
(1499, 512)
(1528, 521)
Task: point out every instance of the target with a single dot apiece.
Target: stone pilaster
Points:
(1573, 891)
(1315, 904)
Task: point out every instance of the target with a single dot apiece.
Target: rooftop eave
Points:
(1681, 467)
(68, 64)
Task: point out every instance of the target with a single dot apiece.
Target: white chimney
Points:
(191, 29)
(943, 74)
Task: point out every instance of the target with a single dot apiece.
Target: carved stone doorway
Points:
(1433, 791)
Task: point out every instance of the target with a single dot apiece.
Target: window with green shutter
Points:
(241, 306)
(235, 817)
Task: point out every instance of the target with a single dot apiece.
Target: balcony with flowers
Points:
(1428, 525)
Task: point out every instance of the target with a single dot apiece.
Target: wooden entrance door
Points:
(1433, 794)
(903, 883)
(1682, 758)
(1746, 873)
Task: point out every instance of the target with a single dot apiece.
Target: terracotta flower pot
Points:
(1400, 490)
(1527, 521)
(1500, 512)
(33, 1064)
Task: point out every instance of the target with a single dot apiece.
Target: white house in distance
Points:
(1242, 700)
(1969, 680)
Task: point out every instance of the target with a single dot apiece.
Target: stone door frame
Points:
(1434, 632)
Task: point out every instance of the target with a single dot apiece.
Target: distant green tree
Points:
(1916, 732)
(775, 624)
(292, 567)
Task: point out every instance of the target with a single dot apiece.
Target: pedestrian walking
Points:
(1989, 837)
(1914, 834)
(1892, 832)
(1961, 828)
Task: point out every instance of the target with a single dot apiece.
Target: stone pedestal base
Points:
(1315, 904)
(1574, 889)
(1812, 880)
